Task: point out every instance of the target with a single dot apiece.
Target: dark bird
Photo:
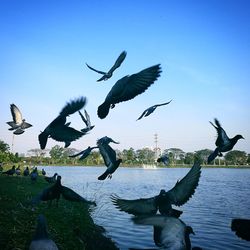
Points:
(164, 159)
(151, 109)
(109, 157)
(34, 174)
(223, 143)
(128, 87)
(87, 122)
(84, 154)
(106, 140)
(117, 64)
(51, 179)
(18, 124)
(10, 171)
(58, 129)
(241, 227)
(173, 233)
(18, 170)
(26, 172)
(41, 240)
(178, 195)
(43, 172)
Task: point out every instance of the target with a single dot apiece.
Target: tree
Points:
(128, 156)
(4, 147)
(236, 157)
(175, 155)
(202, 155)
(56, 153)
(189, 158)
(145, 155)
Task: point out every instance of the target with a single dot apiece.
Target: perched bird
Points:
(18, 170)
(18, 124)
(84, 154)
(51, 179)
(164, 159)
(43, 172)
(107, 75)
(10, 171)
(223, 143)
(151, 109)
(109, 157)
(128, 87)
(41, 240)
(34, 174)
(241, 227)
(178, 195)
(86, 120)
(26, 172)
(58, 129)
(173, 233)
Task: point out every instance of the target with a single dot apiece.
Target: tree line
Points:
(60, 156)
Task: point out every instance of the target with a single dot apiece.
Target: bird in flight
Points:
(107, 75)
(87, 122)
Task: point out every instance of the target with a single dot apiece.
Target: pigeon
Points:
(178, 195)
(241, 227)
(109, 157)
(34, 174)
(109, 74)
(164, 159)
(106, 140)
(223, 143)
(10, 171)
(151, 109)
(59, 130)
(51, 179)
(43, 172)
(18, 124)
(26, 172)
(173, 233)
(18, 170)
(86, 121)
(41, 239)
(84, 154)
(128, 87)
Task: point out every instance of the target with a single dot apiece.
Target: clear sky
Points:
(203, 48)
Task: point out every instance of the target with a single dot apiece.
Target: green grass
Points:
(70, 224)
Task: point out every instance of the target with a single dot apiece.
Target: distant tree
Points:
(248, 159)
(56, 153)
(236, 157)
(176, 155)
(4, 147)
(37, 152)
(144, 156)
(202, 155)
(189, 158)
(128, 156)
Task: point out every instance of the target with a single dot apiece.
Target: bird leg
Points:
(112, 106)
(110, 176)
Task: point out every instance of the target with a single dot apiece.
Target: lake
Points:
(222, 194)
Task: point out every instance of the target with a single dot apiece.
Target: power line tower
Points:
(157, 150)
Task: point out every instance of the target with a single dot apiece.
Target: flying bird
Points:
(241, 227)
(178, 196)
(109, 157)
(41, 238)
(107, 75)
(84, 154)
(86, 120)
(223, 142)
(151, 109)
(59, 130)
(18, 124)
(173, 233)
(129, 87)
(164, 159)
(106, 140)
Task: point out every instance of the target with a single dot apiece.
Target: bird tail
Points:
(212, 156)
(103, 110)
(19, 131)
(103, 176)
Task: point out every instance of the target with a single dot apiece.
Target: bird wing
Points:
(241, 228)
(73, 106)
(26, 125)
(222, 138)
(98, 71)
(143, 113)
(108, 154)
(87, 118)
(18, 131)
(13, 125)
(185, 188)
(135, 207)
(118, 62)
(165, 103)
(16, 114)
(83, 118)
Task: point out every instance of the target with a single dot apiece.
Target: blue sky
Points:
(203, 48)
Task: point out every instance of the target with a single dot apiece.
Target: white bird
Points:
(18, 124)
(87, 122)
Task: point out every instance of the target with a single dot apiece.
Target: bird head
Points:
(190, 230)
(239, 137)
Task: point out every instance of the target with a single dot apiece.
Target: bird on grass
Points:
(107, 75)
(241, 227)
(129, 87)
(178, 196)
(151, 109)
(26, 172)
(41, 240)
(84, 154)
(173, 233)
(10, 171)
(58, 129)
(34, 174)
(164, 159)
(18, 170)
(18, 124)
(51, 179)
(43, 172)
(109, 156)
(87, 122)
(223, 142)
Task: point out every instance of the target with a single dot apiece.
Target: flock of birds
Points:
(169, 231)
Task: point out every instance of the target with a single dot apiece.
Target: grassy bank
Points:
(70, 224)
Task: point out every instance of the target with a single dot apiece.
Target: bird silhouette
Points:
(58, 129)
(173, 233)
(41, 238)
(51, 179)
(10, 171)
(84, 154)
(26, 172)
(109, 157)
(87, 122)
(43, 172)
(128, 87)
(107, 75)
(18, 124)
(178, 195)
(223, 142)
(151, 109)
(106, 140)
(164, 159)
(18, 170)
(241, 227)
(34, 174)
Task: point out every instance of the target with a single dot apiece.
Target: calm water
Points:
(222, 194)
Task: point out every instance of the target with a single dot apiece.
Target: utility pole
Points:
(156, 149)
